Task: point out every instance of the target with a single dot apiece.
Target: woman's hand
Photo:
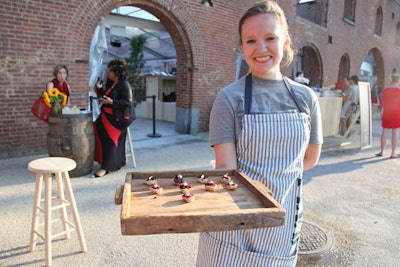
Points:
(107, 100)
(99, 84)
(311, 156)
(225, 156)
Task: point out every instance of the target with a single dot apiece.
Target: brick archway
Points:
(312, 64)
(344, 68)
(379, 68)
(81, 30)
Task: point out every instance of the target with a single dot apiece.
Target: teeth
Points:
(262, 58)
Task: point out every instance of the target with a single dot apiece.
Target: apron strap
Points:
(291, 92)
(247, 94)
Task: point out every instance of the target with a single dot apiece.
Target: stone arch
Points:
(82, 27)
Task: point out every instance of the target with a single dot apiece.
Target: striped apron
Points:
(270, 149)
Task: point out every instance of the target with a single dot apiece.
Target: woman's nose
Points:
(262, 46)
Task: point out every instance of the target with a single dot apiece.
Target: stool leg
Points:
(47, 216)
(74, 209)
(36, 211)
(61, 198)
(132, 154)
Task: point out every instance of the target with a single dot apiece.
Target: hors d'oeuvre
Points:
(185, 187)
(202, 178)
(231, 185)
(225, 179)
(188, 197)
(156, 188)
(210, 185)
(151, 180)
(178, 179)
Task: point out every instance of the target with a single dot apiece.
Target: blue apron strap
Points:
(291, 92)
(247, 94)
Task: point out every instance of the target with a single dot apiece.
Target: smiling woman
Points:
(269, 127)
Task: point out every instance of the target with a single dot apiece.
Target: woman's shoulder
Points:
(302, 89)
(233, 89)
(123, 83)
(236, 85)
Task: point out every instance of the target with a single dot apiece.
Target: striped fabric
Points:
(270, 149)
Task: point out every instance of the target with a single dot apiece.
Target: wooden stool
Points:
(44, 168)
(129, 149)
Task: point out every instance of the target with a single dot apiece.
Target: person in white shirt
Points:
(301, 79)
(350, 100)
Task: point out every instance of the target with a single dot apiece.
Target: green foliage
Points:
(135, 64)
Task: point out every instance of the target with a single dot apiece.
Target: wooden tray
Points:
(143, 212)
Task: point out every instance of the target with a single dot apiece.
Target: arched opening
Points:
(184, 100)
(309, 61)
(158, 76)
(344, 70)
(373, 69)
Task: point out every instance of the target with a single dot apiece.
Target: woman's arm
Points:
(225, 156)
(311, 156)
(49, 86)
(125, 95)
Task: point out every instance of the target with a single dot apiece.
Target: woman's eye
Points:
(271, 38)
(250, 41)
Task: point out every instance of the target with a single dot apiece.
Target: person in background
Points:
(350, 100)
(375, 94)
(60, 73)
(268, 127)
(117, 113)
(301, 79)
(390, 103)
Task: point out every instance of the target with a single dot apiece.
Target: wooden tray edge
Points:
(198, 223)
(126, 197)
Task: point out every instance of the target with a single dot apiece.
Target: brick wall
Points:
(36, 35)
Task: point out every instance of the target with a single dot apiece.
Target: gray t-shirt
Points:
(354, 93)
(268, 96)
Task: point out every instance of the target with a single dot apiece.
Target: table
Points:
(330, 114)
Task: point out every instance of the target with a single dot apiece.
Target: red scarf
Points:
(112, 132)
(63, 88)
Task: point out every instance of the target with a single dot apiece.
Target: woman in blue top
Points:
(270, 128)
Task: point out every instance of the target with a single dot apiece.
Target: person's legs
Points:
(349, 117)
(394, 143)
(342, 126)
(346, 121)
(383, 140)
(345, 108)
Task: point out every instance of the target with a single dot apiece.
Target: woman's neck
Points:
(114, 83)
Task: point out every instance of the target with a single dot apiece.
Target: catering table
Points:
(330, 114)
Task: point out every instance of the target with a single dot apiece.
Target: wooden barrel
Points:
(72, 136)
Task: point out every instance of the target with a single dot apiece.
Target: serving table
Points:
(331, 108)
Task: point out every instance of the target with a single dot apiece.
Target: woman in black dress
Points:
(117, 113)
